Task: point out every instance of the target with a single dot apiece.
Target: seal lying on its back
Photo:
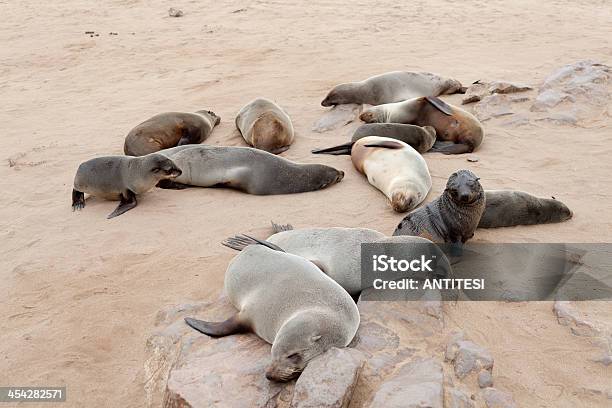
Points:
(394, 168)
(121, 178)
(392, 87)
(507, 208)
(288, 302)
(250, 170)
(451, 218)
(460, 129)
(420, 138)
(265, 125)
(168, 130)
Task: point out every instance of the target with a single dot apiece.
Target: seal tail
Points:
(239, 242)
(336, 150)
(281, 227)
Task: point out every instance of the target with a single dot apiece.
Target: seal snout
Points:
(368, 117)
(340, 176)
(400, 202)
(279, 374)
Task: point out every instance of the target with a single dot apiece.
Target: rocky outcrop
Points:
(479, 90)
(468, 357)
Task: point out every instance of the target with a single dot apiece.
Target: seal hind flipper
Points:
(387, 144)
(440, 105)
(78, 200)
(128, 201)
(239, 242)
(450, 148)
(336, 150)
(281, 227)
(233, 325)
(172, 185)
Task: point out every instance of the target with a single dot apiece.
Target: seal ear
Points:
(315, 338)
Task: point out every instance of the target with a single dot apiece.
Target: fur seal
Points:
(168, 130)
(120, 178)
(336, 251)
(265, 125)
(420, 138)
(459, 130)
(452, 217)
(244, 168)
(288, 302)
(506, 208)
(393, 167)
(391, 87)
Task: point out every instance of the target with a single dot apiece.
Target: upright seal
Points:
(121, 178)
(288, 302)
(392, 87)
(457, 131)
(168, 130)
(265, 125)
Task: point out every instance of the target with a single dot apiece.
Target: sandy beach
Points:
(79, 292)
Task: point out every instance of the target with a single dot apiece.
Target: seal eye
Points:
(295, 357)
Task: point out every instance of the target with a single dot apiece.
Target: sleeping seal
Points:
(506, 208)
(457, 131)
(288, 302)
(420, 138)
(168, 130)
(265, 125)
(121, 178)
(393, 167)
(392, 87)
(244, 168)
(451, 218)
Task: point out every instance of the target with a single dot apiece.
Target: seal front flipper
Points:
(78, 200)
(239, 242)
(387, 144)
(233, 325)
(336, 150)
(450, 148)
(440, 105)
(172, 185)
(128, 201)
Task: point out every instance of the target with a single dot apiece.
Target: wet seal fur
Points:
(506, 208)
(395, 168)
(288, 302)
(392, 87)
(457, 130)
(452, 217)
(420, 138)
(168, 130)
(121, 178)
(247, 169)
(265, 125)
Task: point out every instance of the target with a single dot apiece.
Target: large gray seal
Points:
(457, 130)
(392, 87)
(251, 170)
(168, 130)
(452, 217)
(265, 125)
(121, 178)
(421, 138)
(288, 302)
(506, 208)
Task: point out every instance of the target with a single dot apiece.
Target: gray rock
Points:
(485, 379)
(495, 398)
(568, 315)
(480, 90)
(493, 106)
(337, 117)
(174, 12)
(418, 383)
(468, 357)
(504, 87)
(457, 399)
(329, 380)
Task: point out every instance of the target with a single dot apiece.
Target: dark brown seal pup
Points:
(420, 138)
(457, 131)
(168, 130)
(120, 178)
(451, 218)
(506, 208)
(392, 87)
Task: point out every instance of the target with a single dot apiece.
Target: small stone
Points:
(468, 357)
(569, 316)
(495, 398)
(458, 399)
(174, 12)
(485, 379)
(472, 159)
(328, 381)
